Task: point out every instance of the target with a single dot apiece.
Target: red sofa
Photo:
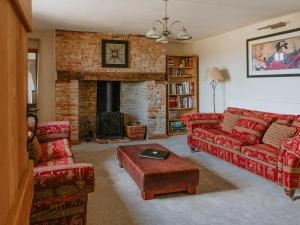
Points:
(61, 185)
(280, 165)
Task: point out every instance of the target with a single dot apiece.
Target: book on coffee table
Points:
(154, 154)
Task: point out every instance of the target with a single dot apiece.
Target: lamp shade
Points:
(214, 74)
(152, 33)
(163, 40)
(183, 35)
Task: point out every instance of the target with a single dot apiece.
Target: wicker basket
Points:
(135, 132)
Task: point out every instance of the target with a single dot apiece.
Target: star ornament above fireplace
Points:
(114, 54)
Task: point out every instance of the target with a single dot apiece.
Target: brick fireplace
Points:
(142, 87)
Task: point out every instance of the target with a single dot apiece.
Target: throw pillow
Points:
(251, 127)
(229, 121)
(35, 151)
(296, 124)
(276, 134)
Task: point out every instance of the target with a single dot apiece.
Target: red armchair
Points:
(61, 185)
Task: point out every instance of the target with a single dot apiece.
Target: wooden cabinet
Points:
(16, 171)
(182, 90)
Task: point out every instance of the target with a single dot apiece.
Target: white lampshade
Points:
(152, 33)
(214, 74)
(163, 40)
(183, 35)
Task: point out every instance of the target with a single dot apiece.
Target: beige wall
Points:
(181, 49)
(47, 73)
(228, 52)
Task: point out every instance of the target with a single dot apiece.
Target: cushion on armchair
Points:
(251, 127)
(277, 133)
(53, 130)
(55, 150)
(229, 121)
(296, 124)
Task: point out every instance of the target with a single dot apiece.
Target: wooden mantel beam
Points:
(110, 76)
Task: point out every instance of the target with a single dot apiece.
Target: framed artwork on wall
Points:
(114, 54)
(274, 55)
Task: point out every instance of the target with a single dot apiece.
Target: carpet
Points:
(226, 194)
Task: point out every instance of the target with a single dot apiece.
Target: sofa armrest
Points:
(53, 130)
(63, 180)
(201, 120)
(289, 163)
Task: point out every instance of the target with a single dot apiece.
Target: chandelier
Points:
(165, 34)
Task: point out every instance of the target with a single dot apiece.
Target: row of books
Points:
(175, 72)
(173, 114)
(186, 62)
(182, 102)
(183, 88)
(176, 127)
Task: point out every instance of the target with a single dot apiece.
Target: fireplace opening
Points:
(109, 117)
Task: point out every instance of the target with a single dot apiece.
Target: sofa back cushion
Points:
(251, 127)
(229, 121)
(277, 133)
(296, 124)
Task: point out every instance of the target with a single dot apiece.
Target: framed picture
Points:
(275, 55)
(115, 53)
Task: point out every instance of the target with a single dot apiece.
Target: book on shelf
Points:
(173, 102)
(183, 88)
(173, 114)
(176, 126)
(182, 102)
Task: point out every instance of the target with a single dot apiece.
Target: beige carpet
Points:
(226, 194)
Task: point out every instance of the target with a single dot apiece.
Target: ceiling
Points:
(202, 18)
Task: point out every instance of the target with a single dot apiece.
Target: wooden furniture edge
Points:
(23, 197)
(23, 13)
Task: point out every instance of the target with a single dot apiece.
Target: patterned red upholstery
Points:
(228, 141)
(262, 152)
(279, 165)
(56, 150)
(208, 134)
(61, 186)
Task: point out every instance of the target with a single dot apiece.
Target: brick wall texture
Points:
(76, 100)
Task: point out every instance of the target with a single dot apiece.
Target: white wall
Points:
(46, 74)
(228, 51)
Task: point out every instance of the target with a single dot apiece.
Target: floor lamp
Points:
(214, 75)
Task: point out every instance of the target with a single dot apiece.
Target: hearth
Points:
(110, 121)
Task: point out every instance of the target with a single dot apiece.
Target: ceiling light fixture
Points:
(166, 34)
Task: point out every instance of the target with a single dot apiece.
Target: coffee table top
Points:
(173, 163)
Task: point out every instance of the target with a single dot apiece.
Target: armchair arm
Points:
(289, 163)
(53, 130)
(201, 120)
(63, 180)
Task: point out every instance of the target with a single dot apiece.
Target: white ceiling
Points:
(202, 18)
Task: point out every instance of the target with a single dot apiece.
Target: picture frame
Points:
(274, 55)
(114, 54)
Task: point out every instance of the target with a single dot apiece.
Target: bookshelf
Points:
(182, 90)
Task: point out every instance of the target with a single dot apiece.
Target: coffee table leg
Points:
(191, 190)
(147, 195)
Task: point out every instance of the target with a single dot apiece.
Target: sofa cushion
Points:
(296, 123)
(55, 150)
(251, 127)
(262, 152)
(207, 134)
(51, 130)
(57, 162)
(228, 141)
(277, 133)
(35, 151)
(229, 121)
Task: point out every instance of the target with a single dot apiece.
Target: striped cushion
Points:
(277, 133)
(251, 127)
(229, 121)
(55, 150)
(296, 123)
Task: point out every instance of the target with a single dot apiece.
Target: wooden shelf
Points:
(187, 66)
(181, 94)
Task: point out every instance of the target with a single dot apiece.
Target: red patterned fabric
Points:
(53, 130)
(56, 150)
(228, 141)
(296, 123)
(60, 185)
(236, 158)
(262, 152)
(207, 134)
(251, 127)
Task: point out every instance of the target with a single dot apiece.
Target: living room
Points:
(150, 112)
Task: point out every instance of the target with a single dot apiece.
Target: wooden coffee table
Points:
(155, 176)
